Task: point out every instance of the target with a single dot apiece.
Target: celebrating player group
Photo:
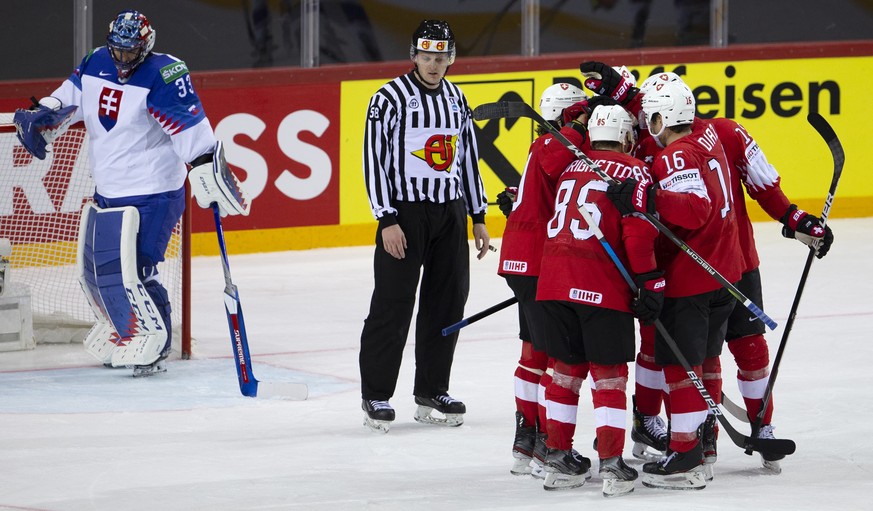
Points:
(620, 190)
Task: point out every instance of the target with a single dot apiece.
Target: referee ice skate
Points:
(422, 177)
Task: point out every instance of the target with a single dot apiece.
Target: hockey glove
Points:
(572, 112)
(649, 301)
(40, 125)
(632, 196)
(605, 81)
(802, 226)
(505, 200)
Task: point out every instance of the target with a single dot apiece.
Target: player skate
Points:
(565, 469)
(618, 478)
(677, 471)
(710, 452)
(378, 415)
(539, 457)
(523, 446)
(770, 461)
(649, 435)
(453, 410)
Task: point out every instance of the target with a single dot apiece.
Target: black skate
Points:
(453, 410)
(539, 456)
(677, 471)
(710, 451)
(618, 478)
(770, 460)
(565, 469)
(649, 435)
(523, 446)
(378, 415)
(156, 367)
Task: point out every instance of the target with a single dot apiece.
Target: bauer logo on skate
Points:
(515, 266)
(582, 295)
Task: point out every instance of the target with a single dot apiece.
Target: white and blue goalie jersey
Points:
(142, 132)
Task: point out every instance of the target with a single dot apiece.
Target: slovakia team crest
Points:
(107, 108)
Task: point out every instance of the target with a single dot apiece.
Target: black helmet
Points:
(434, 36)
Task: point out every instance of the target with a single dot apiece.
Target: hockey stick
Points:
(839, 156)
(248, 384)
(769, 445)
(734, 409)
(479, 315)
(502, 109)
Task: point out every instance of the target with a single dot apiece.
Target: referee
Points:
(422, 176)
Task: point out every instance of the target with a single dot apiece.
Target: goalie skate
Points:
(452, 410)
(149, 370)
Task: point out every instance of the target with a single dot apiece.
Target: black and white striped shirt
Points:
(420, 146)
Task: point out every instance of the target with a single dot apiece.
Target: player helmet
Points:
(557, 97)
(433, 36)
(611, 123)
(130, 40)
(674, 101)
(654, 81)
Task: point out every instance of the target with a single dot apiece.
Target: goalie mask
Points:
(130, 40)
(557, 97)
(433, 36)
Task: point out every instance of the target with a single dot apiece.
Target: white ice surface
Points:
(76, 436)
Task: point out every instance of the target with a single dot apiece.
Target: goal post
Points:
(40, 206)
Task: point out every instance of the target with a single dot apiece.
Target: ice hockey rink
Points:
(76, 436)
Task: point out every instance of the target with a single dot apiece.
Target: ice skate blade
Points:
(149, 370)
(772, 466)
(613, 487)
(537, 471)
(521, 466)
(559, 481)
(375, 426)
(644, 452)
(452, 420)
(692, 480)
(709, 471)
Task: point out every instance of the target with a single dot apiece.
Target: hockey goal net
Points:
(40, 206)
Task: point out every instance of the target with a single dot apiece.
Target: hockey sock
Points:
(531, 367)
(649, 379)
(712, 377)
(753, 363)
(545, 380)
(562, 403)
(687, 408)
(608, 391)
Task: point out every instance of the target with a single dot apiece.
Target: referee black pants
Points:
(437, 252)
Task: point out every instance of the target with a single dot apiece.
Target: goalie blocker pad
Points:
(37, 128)
(108, 273)
(214, 182)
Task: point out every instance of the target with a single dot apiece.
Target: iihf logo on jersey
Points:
(107, 108)
(454, 103)
(438, 152)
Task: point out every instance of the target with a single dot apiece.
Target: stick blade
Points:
(282, 390)
(826, 131)
(771, 445)
(496, 110)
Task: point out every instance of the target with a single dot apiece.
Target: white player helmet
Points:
(654, 81)
(611, 123)
(557, 97)
(674, 101)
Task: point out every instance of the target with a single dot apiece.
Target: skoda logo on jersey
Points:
(413, 104)
(438, 152)
(107, 107)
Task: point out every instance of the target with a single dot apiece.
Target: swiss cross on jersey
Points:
(108, 106)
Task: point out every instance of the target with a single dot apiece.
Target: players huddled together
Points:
(584, 258)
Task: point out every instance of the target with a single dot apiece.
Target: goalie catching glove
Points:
(41, 124)
(802, 226)
(213, 182)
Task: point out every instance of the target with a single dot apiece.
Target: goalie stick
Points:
(248, 384)
(839, 156)
(503, 109)
(479, 315)
(768, 445)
